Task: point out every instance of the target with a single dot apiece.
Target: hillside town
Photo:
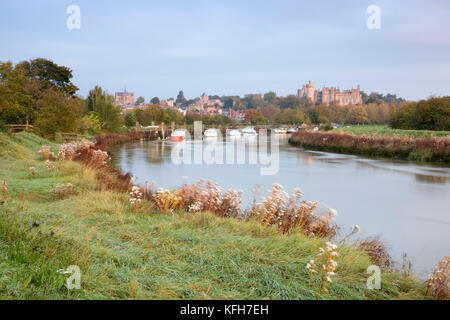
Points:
(215, 105)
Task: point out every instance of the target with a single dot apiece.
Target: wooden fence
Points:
(19, 127)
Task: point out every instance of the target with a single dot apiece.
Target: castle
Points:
(331, 95)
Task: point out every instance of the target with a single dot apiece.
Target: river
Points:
(406, 204)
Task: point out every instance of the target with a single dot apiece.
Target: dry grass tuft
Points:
(288, 212)
(377, 251)
(439, 281)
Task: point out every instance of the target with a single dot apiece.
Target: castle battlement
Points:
(331, 95)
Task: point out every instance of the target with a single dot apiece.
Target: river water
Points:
(405, 203)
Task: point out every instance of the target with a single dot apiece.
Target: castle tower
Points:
(310, 91)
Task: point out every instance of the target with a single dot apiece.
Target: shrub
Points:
(439, 281)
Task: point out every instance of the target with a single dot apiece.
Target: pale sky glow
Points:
(156, 48)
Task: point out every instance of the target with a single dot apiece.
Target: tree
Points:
(221, 120)
(403, 118)
(271, 112)
(431, 114)
(254, 101)
(155, 100)
(290, 116)
(49, 75)
(130, 119)
(140, 100)
(139, 114)
(91, 123)
(58, 111)
(253, 116)
(180, 97)
(269, 97)
(15, 99)
(103, 103)
(358, 115)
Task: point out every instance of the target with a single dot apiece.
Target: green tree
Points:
(103, 103)
(140, 100)
(269, 97)
(58, 112)
(49, 75)
(130, 119)
(91, 123)
(180, 97)
(15, 100)
(254, 101)
(155, 100)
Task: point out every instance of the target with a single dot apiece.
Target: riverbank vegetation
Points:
(160, 248)
(385, 130)
(436, 149)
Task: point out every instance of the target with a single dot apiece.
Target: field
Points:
(384, 130)
(149, 254)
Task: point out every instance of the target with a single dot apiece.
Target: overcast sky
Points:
(156, 48)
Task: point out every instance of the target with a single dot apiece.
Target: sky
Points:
(156, 48)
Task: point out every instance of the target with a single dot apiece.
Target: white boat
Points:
(249, 131)
(178, 135)
(280, 130)
(211, 133)
(234, 133)
(292, 130)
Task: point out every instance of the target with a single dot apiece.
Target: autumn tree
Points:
(253, 116)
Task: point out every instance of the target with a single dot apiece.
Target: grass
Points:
(150, 255)
(384, 130)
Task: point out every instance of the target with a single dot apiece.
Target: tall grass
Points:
(420, 149)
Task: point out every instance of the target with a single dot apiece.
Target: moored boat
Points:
(234, 133)
(249, 131)
(178, 135)
(212, 132)
(280, 130)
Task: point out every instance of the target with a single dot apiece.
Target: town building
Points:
(204, 105)
(124, 98)
(331, 95)
(167, 103)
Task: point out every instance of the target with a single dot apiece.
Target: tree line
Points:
(41, 93)
(431, 114)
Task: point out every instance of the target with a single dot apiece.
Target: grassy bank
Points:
(385, 130)
(151, 255)
(433, 149)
